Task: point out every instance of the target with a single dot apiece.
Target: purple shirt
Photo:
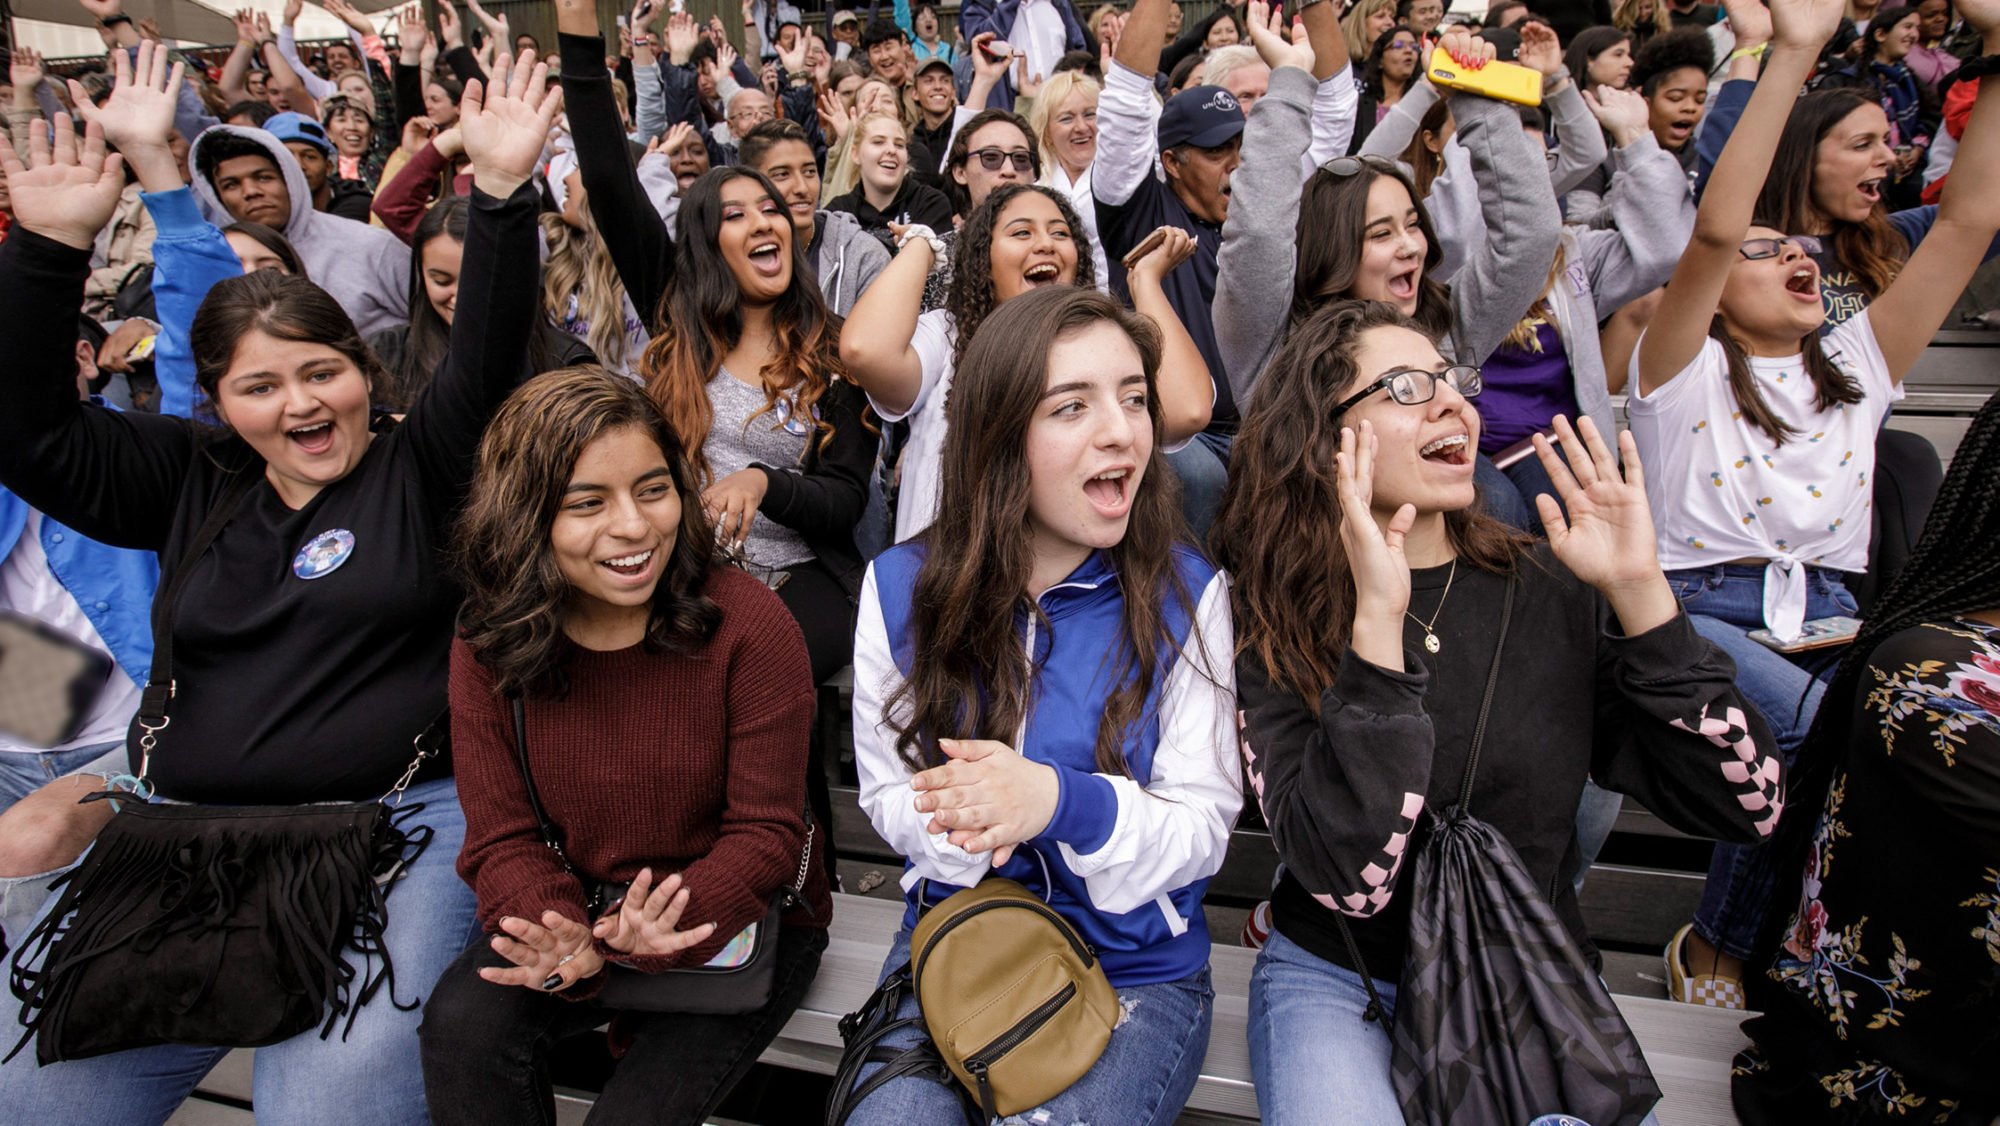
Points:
(1524, 390)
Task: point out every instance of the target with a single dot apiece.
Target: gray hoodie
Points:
(1259, 259)
(364, 267)
(849, 260)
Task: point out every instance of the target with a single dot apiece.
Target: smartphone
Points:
(1507, 82)
(997, 50)
(1145, 247)
(1816, 634)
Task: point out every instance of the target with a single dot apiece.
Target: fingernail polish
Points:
(554, 980)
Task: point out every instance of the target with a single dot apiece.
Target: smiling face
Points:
(1849, 165)
(876, 96)
(1425, 14)
(980, 180)
(1425, 455)
(438, 105)
(889, 60)
(1087, 446)
(1200, 177)
(252, 190)
(1893, 43)
(1936, 19)
(1223, 33)
(748, 109)
(1073, 129)
(1392, 248)
(1772, 303)
(755, 238)
(340, 58)
(442, 258)
(1675, 106)
(617, 525)
(1377, 22)
(1032, 246)
(1612, 66)
(355, 86)
(302, 406)
(350, 130)
(936, 94)
(790, 167)
(882, 152)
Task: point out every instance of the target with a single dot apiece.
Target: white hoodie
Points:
(365, 268)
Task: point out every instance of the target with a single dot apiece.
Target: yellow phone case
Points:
(1508, 82)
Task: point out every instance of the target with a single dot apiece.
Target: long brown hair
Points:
(1873, 249)
(969, 679)
(1830, 384)
(1278, 530)
(701, 318)
(516, 598)
(1333, 226)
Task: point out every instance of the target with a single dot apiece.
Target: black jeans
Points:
(486, 1046)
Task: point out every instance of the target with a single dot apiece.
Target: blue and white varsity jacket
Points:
(1125, 860)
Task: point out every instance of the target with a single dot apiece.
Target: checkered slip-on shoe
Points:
(1698, 989)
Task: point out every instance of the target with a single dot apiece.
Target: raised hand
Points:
(345, 13)
(725, 56)
(647, 919)
(292, 10)
(988, 798)
(983, 64)
(551, 956)
(767, 77)
(1623, 113)
(24, 70)
(1176, 247)
(67, 191)
(449, 29)
(506, 126)
(417, 133)
(1266, 29)
(674, 139)
(1805, 25)
(1466, 50)
(1374, 551)
(246, 25)
(833, 115)
(643, 14)
(1749, 21)
(1982, 16)
(496, 26)
(820, 61)
(682, 34)
(138, 117)
(1025, 86)
(1540, 48)
(794, 60)
(1607, 539)
(264, 32)
(411, 35)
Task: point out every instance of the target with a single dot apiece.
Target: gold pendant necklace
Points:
(1431, 643)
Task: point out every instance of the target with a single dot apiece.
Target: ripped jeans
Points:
(1143, 1078)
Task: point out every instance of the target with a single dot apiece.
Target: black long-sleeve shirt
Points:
(288, 689)
(1656, 716)
(821, 498)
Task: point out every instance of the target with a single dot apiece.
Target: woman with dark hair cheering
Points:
(643, 670)
(1095, 772)
(1880, 991)
(310, 643)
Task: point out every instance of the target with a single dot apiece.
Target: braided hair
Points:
(1947, 575)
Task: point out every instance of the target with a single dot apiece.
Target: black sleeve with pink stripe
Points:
(1341, 790)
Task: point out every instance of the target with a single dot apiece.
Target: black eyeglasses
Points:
(1758, 249)
(992, 159)
(1345, 166)
(1410, 386)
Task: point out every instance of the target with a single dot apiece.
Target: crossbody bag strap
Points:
(159, 688)
(548, 830)
(1376, 1011)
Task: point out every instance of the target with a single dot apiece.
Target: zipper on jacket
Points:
(1062, 925)
(979, 1063)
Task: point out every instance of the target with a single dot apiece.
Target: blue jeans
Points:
(1203, 467)
(1316, 1062)
(372, 1077)
(1724, 603)
(1144, 1077)
(1596, 815)
(21, 774)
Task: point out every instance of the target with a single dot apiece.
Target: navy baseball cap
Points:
(297, 127)
(1203, 116)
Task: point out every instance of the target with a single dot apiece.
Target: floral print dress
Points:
(1882, 1003)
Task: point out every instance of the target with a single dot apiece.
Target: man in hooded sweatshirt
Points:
(248, 175)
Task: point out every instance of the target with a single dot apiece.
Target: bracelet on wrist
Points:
(1755, 52)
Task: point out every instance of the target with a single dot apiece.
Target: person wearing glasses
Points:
(1368, 591)
(1771, 427)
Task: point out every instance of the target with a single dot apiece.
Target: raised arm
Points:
(1142, 38)
(1680, 327)
(288, 50)
(1649, 204)
(876, 341)
(236, 68)
(1185, 385)
(1909, 312)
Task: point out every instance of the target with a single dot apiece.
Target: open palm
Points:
(1607, 540)
(140, 111)
(506, 126)
(66, 191)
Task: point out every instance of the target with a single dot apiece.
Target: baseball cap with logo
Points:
(297, 127)
(1202, 116)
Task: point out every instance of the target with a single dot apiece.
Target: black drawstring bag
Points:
(1499, 1017)
(219, 926)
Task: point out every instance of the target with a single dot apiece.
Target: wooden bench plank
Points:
(1641, 906)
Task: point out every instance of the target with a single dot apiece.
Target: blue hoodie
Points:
(1125, 860)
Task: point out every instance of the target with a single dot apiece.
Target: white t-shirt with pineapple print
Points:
(1722, 490)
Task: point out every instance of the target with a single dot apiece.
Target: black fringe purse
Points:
(220, 926)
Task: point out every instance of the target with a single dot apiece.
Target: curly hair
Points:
(516, 598)
(970, 300)
(1668, 52)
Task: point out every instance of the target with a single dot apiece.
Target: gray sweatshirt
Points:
(363, 267)
(1259, 259)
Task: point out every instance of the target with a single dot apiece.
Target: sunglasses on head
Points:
(1758, 249)
(1344, 166)
(992, 159)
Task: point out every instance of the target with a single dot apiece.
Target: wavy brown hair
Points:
(701, 318)
(968, 678)
(970, 300)
(1873, 248)
(1278, 530)
(516, 598)
(1333, 228)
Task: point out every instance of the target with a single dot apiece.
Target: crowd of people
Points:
(602, 400)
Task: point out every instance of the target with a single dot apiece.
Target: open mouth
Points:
(629, 566)
(1402, 287)
(1110, 491)
(313, 440)
(1871, 190)
(764, 258)
(1042, 273)
(1804, 282)
(1453, 450)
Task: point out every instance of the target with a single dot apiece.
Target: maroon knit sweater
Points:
(693, 764)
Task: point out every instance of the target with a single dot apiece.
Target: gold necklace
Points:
(1431, 643)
